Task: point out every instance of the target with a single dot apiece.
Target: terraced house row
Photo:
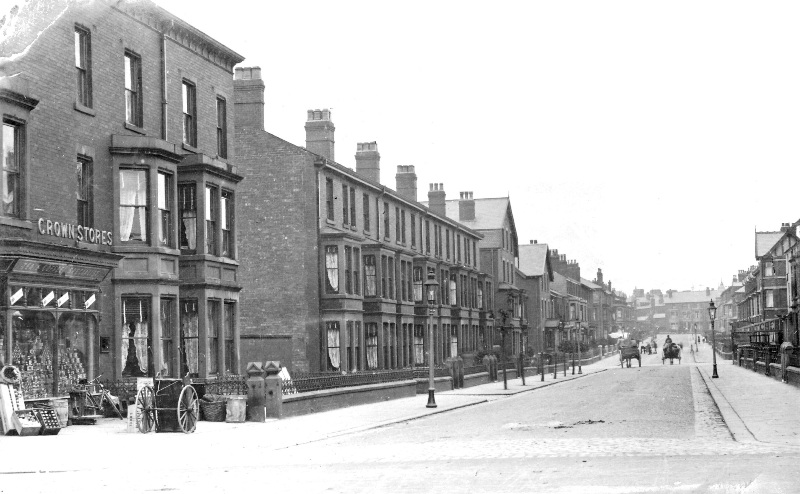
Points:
(151, 224)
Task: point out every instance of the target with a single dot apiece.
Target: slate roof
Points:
(589, 284)
(691, 297)
(765, 241)
(533, 259)
(490, 213)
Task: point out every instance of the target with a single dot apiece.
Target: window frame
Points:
(84, 191)
(146, 213)
(222, 127)
(227, 218)
(211, 214)
(133, 95)
(83, 47)
(189, 112)
(165, 213)
(181, 212)
(19, 170)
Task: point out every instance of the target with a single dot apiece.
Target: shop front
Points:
(49, 321)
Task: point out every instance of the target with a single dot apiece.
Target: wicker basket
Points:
(213, 411)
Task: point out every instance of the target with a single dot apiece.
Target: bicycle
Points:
(95, 395)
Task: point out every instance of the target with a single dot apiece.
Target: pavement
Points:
(756, 408)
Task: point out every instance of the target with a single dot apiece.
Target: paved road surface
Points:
(653, 428)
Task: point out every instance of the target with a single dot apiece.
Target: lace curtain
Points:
(333, 347)
(132, 194)
(372, 351)
(189, 337)
(419, 349)
(135, 333)
(332, 268)
(453, 345)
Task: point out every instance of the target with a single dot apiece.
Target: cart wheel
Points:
(146, 409)
(188, 409)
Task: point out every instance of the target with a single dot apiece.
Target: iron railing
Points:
(301, 383)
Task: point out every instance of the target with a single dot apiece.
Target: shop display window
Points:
(136, 339)
(167, 336)
(75, 331)
(33, 351)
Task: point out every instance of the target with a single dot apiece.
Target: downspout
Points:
(164, 87)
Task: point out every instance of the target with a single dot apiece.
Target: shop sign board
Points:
(48, 298)
(90, 301)
(16, 296)
(76, 232)
(63, 299)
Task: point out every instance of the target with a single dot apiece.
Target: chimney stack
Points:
(599, 276)
(368, 161)
(248, 98)
(708, 291)
(406, 180)
(436, 199)
(466, 207)
(319, 133)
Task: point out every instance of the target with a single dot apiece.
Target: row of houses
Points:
(151, 224)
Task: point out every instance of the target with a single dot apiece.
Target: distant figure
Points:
(667, 341)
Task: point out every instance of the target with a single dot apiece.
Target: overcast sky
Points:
(650, 139)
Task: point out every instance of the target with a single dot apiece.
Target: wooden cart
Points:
(628, 350)
(671, 351)
(167, 406)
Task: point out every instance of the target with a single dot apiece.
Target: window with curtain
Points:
(226, 217)
(353, 328)
(84, 191)
(189, 343)
(403, 226)
(480, 295)
(413, 231)
(369, 276)
(454, 341)
(331, 269)
(136, 352)
(188, 211)
(371, 337)
(403, 279)
(211, 220)
(165, 209)
(453, 300)
(384, 268)
(419, 344)
(418, 284)
(397, 224)
(212, 362)
(133, 205)
(229, 323)
(390, 278)
(167, 319)
(332, 331)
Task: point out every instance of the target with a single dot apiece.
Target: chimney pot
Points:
(437, 199)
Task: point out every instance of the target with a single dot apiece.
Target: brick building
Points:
(536, 276)
(117, 249)
(499, 258)
(334, 262)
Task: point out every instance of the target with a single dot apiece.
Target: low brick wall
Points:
(476, 379)
(792, 373)
(439, 384)
(331, 399)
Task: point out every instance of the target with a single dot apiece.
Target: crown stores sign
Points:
(78, 232)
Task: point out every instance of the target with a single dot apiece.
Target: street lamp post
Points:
(712, 314)
(573, 350)
(694, 338)
(504, 317)
(578, 325)
(431, 286)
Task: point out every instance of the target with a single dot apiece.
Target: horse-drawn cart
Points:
(167, 406)
(628, 350)
(671, 351)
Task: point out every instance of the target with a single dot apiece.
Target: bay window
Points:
(133, 205)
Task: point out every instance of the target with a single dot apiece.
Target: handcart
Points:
(170, 405)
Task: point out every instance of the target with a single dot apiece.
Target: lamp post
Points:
(431, 286)
(578, 325)
(572, 347)
(694, 338)
(504, 317)
(555, 350)
(712, 314)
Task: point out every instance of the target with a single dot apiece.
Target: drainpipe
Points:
(164, 87)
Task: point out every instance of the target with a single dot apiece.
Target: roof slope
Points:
(687, 297)
(533, 259)
(766, 241)
(490, 213)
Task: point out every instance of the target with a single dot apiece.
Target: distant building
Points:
(536, 277)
